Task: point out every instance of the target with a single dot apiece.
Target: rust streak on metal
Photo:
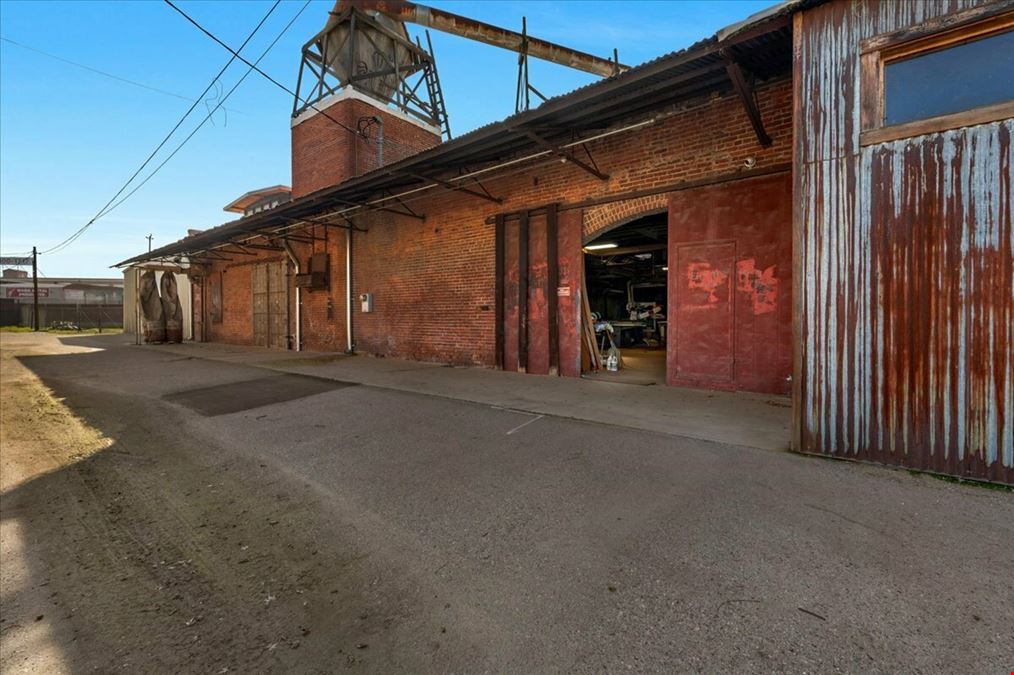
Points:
(905, 250)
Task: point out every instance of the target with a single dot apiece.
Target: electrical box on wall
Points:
(316, 276)
(367, 300)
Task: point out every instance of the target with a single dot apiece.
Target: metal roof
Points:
(763, 46)
(244, 201)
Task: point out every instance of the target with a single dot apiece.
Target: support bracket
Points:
(747, 97)
(458, 188)
(565, 154)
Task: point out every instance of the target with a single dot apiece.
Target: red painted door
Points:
(730, 280)
(705, 313)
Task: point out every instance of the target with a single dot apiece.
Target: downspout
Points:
(380, 140)
(299, 299)
(348, 291)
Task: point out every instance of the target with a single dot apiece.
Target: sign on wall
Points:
(24, 292)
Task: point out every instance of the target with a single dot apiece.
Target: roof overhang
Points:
(244, 202)
(761, 45)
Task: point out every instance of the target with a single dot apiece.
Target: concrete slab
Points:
(752, 420)
(224, 399)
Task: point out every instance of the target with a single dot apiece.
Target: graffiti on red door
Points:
(702, 277)
(761, 285)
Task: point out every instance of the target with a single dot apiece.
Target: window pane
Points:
(967, 76)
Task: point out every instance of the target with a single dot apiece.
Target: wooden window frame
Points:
(934, 35)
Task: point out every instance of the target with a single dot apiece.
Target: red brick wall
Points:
(323, 329)
(433, 281)
(236, 326)
(324, 154)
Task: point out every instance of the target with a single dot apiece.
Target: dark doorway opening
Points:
(626, 273)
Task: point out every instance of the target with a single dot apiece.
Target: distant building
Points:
(84, 302)
(256, 201)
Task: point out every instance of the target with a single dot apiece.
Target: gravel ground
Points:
(171, 514)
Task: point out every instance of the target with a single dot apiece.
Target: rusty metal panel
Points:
(538, 297)
(905, 287)
(569, 290)
(540, 276)
(511, 294)
(498, 289)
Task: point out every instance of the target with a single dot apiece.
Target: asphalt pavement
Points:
(484, 539)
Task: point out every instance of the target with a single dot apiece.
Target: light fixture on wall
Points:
(749, 163)
(599, 247)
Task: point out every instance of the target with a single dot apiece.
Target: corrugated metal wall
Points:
(904, 268)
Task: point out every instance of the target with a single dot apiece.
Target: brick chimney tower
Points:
(325, 154)
(367, 96)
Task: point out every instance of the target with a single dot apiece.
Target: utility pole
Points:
(149, 238)
(35, 288)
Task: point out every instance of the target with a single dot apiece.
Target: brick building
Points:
(732, 185)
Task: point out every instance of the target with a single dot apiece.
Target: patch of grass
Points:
(55, 331)
(964, 481)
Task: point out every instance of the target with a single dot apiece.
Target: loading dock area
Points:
(795, 254)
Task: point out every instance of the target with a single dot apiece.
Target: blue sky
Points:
(70, 137)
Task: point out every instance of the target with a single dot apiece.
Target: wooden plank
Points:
(967, 118)
(588, 326)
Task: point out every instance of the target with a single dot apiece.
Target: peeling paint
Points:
(701, 277)
(760, 285)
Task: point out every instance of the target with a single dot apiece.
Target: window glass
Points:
(966, 76)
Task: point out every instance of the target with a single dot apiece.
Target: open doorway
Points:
(626, 273)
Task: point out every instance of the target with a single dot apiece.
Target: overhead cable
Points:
(72, 238)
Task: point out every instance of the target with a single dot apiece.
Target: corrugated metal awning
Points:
(762, 46)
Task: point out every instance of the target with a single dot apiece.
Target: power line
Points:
(101, 72)
(261, 72)
(69, 240)
(211, 112)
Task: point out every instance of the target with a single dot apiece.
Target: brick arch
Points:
(600, 219)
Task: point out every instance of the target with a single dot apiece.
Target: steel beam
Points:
(455, 24)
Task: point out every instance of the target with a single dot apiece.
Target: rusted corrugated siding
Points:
(904, 272)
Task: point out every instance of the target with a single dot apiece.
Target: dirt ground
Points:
(134, 555)
(165, 511)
